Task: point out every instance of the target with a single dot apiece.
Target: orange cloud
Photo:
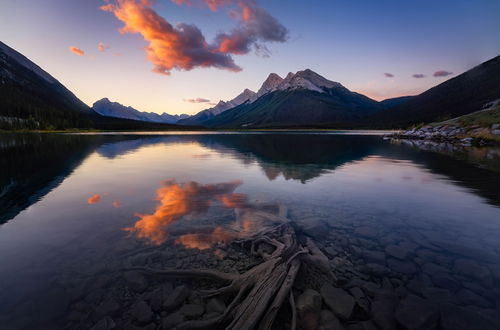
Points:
(102, 47)
(176, 201)
(182, 47)
(94, 199)
(76, 50)
(214, 5)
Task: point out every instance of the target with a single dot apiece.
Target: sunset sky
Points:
(178, 56)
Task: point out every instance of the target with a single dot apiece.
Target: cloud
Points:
(116, 204)
(255, 26)
(102, 47)
(76, 50)
(418, 75)
(214, 5)
(197, 100)
(389, 75)
(178, 200)
(94, 199)
(442, 73)
(182, 47)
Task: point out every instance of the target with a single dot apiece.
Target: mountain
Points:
(204, 115)
(302, 99)
(455, 97)
(389, 103)
(32, 98)
(105, 107)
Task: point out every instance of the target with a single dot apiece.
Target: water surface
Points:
(75, 208)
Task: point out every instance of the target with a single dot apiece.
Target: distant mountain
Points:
(204, 115)
(458, 96)
(301, 99)
(105, 107)
(32, 98)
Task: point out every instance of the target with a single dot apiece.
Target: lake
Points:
(405, 227)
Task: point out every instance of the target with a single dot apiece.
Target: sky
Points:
(182, 56)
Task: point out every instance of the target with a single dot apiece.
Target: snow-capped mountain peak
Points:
(270, 84)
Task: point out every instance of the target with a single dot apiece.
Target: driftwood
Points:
(259, 293)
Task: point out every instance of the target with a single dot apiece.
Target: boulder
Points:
(403, 267)
(416, 313)
(141, 312)
(328, 321)
(308, 307)
(171, 321)
(176, 298)
(106, 323)
(215, 305)
(339, 301)
(458, 318)
(383, 314)
(467, 297)
(192, 310)
(376, 257)
(136, 281)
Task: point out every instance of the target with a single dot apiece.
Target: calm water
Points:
(75, 209)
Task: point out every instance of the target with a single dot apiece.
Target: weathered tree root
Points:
(260, 292)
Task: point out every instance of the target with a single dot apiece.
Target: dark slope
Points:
(31, 98)
(458, 96)
(390, 103)
(298, 107)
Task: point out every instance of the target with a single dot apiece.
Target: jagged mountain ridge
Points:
(301, 99)
(198, 119)
(105, 107)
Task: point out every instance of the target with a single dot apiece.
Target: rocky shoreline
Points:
(466, 136)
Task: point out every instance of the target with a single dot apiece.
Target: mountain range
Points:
(105, 107)
(31, 98)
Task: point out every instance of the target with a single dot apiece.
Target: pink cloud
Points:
(102, 47)
(76, 50)
(255, 26)
(442, 73)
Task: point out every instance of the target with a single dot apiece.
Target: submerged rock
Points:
(172, 320)
(308, 307)
(457, 318)
(416, 313)
(192, 310)
(328, 321)
(403, 267)
(142, 312)
(104, 324)
(136, 281)
(176, 298)
(338, 300)
(216, 305)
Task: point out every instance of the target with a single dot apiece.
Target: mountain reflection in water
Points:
(424, 219)
(32, 165)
